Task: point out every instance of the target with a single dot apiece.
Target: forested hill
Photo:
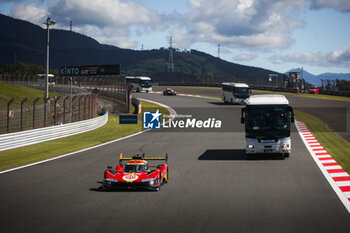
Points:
(26, 42)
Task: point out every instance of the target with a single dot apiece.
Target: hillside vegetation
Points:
(26, 42)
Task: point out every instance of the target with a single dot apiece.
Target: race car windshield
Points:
(135, 168)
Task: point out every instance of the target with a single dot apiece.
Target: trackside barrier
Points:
(29, 137)
(256, 87)
(338, 93)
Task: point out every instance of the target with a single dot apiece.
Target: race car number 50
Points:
(130, 177)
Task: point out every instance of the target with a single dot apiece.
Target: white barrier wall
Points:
(29, 137)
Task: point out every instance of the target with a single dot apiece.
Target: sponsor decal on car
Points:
(130, 177)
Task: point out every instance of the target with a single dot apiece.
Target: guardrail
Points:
(29, 137)
(257, 87)
(337, 93)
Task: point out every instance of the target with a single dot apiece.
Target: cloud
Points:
(336, 58)
(245, 57)
(108, 21)
(339, 5)
(30, 12)
(263, 24)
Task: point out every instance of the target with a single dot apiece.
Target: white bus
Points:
(140, 83)
(267, 121)
(235, 92)
(51, 78)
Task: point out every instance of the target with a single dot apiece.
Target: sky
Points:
(273, 34)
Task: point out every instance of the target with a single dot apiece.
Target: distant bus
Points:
(140, 83)
(235, 92)
(51, 78)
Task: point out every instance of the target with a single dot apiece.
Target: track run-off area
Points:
(212, 186)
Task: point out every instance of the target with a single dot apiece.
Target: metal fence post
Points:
(8, 114)
(72, 116)
(64, 109)
(79, 108)
(45, 106)
(24, 100)
(34, 102)
(85, 106)
(55, 111)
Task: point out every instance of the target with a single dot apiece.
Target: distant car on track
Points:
(314, 90)
(137, 173)
(169, 91)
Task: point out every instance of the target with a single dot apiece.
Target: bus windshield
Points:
(146, 83)
(268, 120)
(241, 92)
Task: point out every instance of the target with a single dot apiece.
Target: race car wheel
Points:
(166, 176)
(158, 187)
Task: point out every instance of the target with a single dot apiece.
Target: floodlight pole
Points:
(48, 23)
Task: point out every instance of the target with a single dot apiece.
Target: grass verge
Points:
(111, 131)
(9, 91)
(335, 145)
(307, 95)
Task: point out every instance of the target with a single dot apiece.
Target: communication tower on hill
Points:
(171, 57)
(218, 50)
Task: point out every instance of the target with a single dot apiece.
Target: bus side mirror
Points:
(242, 115)
(242, 120)
(292, 115)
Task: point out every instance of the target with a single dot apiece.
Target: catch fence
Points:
(32, 113)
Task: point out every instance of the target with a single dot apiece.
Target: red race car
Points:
(136, 172)
(314, 90)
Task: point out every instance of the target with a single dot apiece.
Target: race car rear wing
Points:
(142, 157)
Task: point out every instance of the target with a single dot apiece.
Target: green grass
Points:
(9, 91)
(111, 131)
(335, 145)
(307, 95)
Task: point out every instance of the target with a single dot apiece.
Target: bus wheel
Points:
(286, 155)
(225, 100)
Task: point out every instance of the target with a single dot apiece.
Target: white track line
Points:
(172, 111)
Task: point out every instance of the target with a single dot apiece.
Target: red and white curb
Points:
(338, 178)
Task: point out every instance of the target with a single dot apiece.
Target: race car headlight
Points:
(151, 180)
(285, 146)
(250, 147)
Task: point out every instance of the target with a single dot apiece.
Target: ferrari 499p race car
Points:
(136, 172)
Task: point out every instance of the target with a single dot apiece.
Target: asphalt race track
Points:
(336, 114)
(212, 186)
